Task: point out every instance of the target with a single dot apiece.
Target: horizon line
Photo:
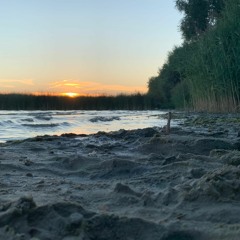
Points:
(73, 94)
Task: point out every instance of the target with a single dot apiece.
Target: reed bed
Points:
(208, 67)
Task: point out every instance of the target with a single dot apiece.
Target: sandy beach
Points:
(125, 185)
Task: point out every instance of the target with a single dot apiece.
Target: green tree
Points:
(199, 16)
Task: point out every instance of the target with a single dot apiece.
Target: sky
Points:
(89, 47)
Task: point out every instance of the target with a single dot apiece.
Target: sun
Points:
(70, 94)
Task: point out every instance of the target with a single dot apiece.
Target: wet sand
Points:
(126, 185)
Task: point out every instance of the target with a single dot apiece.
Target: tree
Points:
(200, 15)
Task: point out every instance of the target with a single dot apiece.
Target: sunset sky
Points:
(84, 46)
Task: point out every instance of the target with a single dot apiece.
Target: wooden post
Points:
(168, 127)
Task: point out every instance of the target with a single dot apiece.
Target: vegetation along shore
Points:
(203, 73)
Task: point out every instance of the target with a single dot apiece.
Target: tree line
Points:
(47, 102)
(203, 73)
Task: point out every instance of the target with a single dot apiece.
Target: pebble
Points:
(76, 218)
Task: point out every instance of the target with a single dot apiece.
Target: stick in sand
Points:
(168, 126)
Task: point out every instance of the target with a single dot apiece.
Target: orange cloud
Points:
(64, 83)
(71, 84)
(67, 86)
(7, 85)
(93, 88)
(18, 81)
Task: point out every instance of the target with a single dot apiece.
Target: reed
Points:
(208, 68)
(214, 72)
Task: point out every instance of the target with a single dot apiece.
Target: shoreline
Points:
(127, 184)
(19, 126)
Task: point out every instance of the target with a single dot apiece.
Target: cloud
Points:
(63, 83)
(93, 88)
(66, 86)
(17, 81)
(3, 85)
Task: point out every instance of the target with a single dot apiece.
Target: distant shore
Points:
(135, 101)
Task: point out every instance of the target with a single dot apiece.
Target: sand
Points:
(126, 185)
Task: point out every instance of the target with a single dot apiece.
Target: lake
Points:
(17, 125)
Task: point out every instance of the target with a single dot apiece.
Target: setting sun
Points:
(71, 94)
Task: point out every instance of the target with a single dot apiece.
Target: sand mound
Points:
(24, 220)
(220, 185)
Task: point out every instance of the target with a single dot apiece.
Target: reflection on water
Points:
(24, 124)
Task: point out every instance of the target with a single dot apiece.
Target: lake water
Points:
(16, 125)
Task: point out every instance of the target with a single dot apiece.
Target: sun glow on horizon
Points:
(70, 94)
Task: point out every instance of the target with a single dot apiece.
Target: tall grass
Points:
(208, 68)
(213, 69)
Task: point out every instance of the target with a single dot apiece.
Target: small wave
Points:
(65, 124)
(67, 113)
(6, 122)
(41, 125)
(27, 120)
(104, 119)
(44, 117)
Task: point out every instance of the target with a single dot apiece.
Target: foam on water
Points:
(16, 125)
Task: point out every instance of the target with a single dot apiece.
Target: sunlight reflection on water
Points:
(16, 125)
